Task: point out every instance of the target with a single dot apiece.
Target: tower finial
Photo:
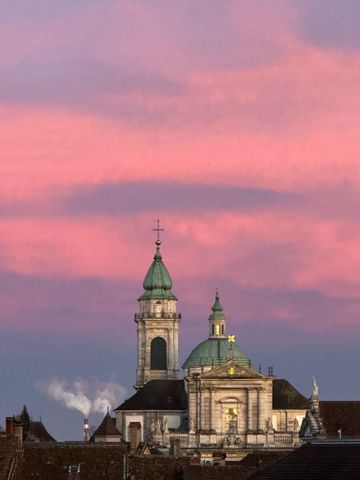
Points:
(158, 230)
(217, 307)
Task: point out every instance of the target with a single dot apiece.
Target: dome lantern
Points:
(217, 320)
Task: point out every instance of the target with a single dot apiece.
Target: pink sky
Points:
(235, 123)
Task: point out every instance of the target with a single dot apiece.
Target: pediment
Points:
(231, 369)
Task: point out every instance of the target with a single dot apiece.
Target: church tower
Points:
(157, 326)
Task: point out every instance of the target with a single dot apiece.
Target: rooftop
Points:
(158, 395)
(157, 283)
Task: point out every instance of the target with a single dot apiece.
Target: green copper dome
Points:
(218, 348)
(157, 283)
(215, 351)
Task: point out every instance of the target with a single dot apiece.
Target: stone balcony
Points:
(154, 315)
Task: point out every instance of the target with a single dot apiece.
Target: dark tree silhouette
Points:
(24, 418)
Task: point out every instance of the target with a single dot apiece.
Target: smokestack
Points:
(86, 430)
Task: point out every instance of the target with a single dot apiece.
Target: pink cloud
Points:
(286, 122)
(269, 249)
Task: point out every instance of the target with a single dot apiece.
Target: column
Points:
(261, 425)
(211, 408)
(249, 425)
(200, 405)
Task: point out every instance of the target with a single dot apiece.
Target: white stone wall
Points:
(212, 401)
(157, 320)
(283, 420)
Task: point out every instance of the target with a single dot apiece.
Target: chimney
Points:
(10, 426)
(134, 434)
(86, 430)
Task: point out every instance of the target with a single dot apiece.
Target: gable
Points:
(232, 369)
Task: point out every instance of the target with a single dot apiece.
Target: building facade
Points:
(222, 401)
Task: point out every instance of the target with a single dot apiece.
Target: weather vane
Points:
(158, 230)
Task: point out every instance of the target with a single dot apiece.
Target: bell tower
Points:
(157, 325)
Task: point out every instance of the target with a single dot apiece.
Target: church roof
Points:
(158, 395)
(107, 427)
(157, 283)
(215, 351)
(286, 397)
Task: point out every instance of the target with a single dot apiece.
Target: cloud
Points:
(281, 247)
(63, 304)
(23, 10)
(78, 83)
(330, 23)
(117, 198)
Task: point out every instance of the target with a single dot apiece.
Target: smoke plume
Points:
(83, 395)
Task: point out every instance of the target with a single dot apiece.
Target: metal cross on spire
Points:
(158, 230)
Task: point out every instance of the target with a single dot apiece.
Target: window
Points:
(158, 354)
(217, 329)
(74, 469)
(222, 329)
(231, 415)
(213, 329)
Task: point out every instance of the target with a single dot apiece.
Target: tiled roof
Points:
(107, 427)
(158, 395)
(285, 396)
(316, 461)
(38, 433)
(55, 461)
(344, 415)
(157, 283)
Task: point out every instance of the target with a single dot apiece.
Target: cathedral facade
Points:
(221, 401)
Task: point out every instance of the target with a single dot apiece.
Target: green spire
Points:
(157, 283)
(217, 307)
(217, 321)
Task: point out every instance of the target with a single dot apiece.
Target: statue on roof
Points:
(166, 425)
(315, 388)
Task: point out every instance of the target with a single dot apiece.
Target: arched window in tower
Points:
(217, 329)
(158, 354)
